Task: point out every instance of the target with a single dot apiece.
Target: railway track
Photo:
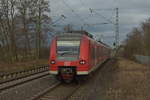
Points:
(13, 79)
(70, 96)
(50, 90)
(6, 77)
(59, 92)
(65, 91)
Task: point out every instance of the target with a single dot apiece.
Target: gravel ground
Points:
(61, 92)
(89, 90)
(121, 80)
(116, 80)
(76, 91)
(27, 90)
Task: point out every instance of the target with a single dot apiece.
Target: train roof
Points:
(68, 36)
(76, 35)
(104, 44)
(73, 35)
(81, 32)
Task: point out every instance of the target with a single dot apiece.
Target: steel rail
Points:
(7, 77)
(50, 89)
(14, 83)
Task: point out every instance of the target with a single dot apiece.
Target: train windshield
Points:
(68, 50)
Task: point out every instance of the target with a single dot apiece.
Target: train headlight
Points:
(82, 62)
(52, 62)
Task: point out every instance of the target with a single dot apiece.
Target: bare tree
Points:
(133, 43)
(8, 26)
(24, 25)
(146, 36)
(138, 41)
(23, 10)
(39, 9)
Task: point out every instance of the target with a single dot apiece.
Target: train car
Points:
(75, 54)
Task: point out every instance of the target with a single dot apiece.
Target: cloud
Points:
(131, 14)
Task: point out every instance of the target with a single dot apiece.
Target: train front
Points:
(65, 56)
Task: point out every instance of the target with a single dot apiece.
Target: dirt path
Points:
(122, 80)
(128, 81)
(131, 82)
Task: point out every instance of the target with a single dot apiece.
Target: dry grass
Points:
(4, 67)
(130, 82)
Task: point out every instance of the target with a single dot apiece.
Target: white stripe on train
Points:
(80, 72)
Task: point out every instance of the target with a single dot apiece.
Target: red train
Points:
(76, 54)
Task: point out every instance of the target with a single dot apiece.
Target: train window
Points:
(68, 50)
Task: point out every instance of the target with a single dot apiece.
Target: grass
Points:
(18, 66)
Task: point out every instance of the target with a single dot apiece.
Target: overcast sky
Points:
(131, 14)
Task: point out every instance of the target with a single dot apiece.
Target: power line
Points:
(85, 6)
(61, 17)
(73, 11)
(105, 9)
(96, 24)
(93, 11)
(116, 23)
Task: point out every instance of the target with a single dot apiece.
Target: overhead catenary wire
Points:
(108, 20)
(108, 10)
(85, 6)
(104, 9)
(76, 14)
(93, 12)
(73, 11)
(61, 17)
(116, 23)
